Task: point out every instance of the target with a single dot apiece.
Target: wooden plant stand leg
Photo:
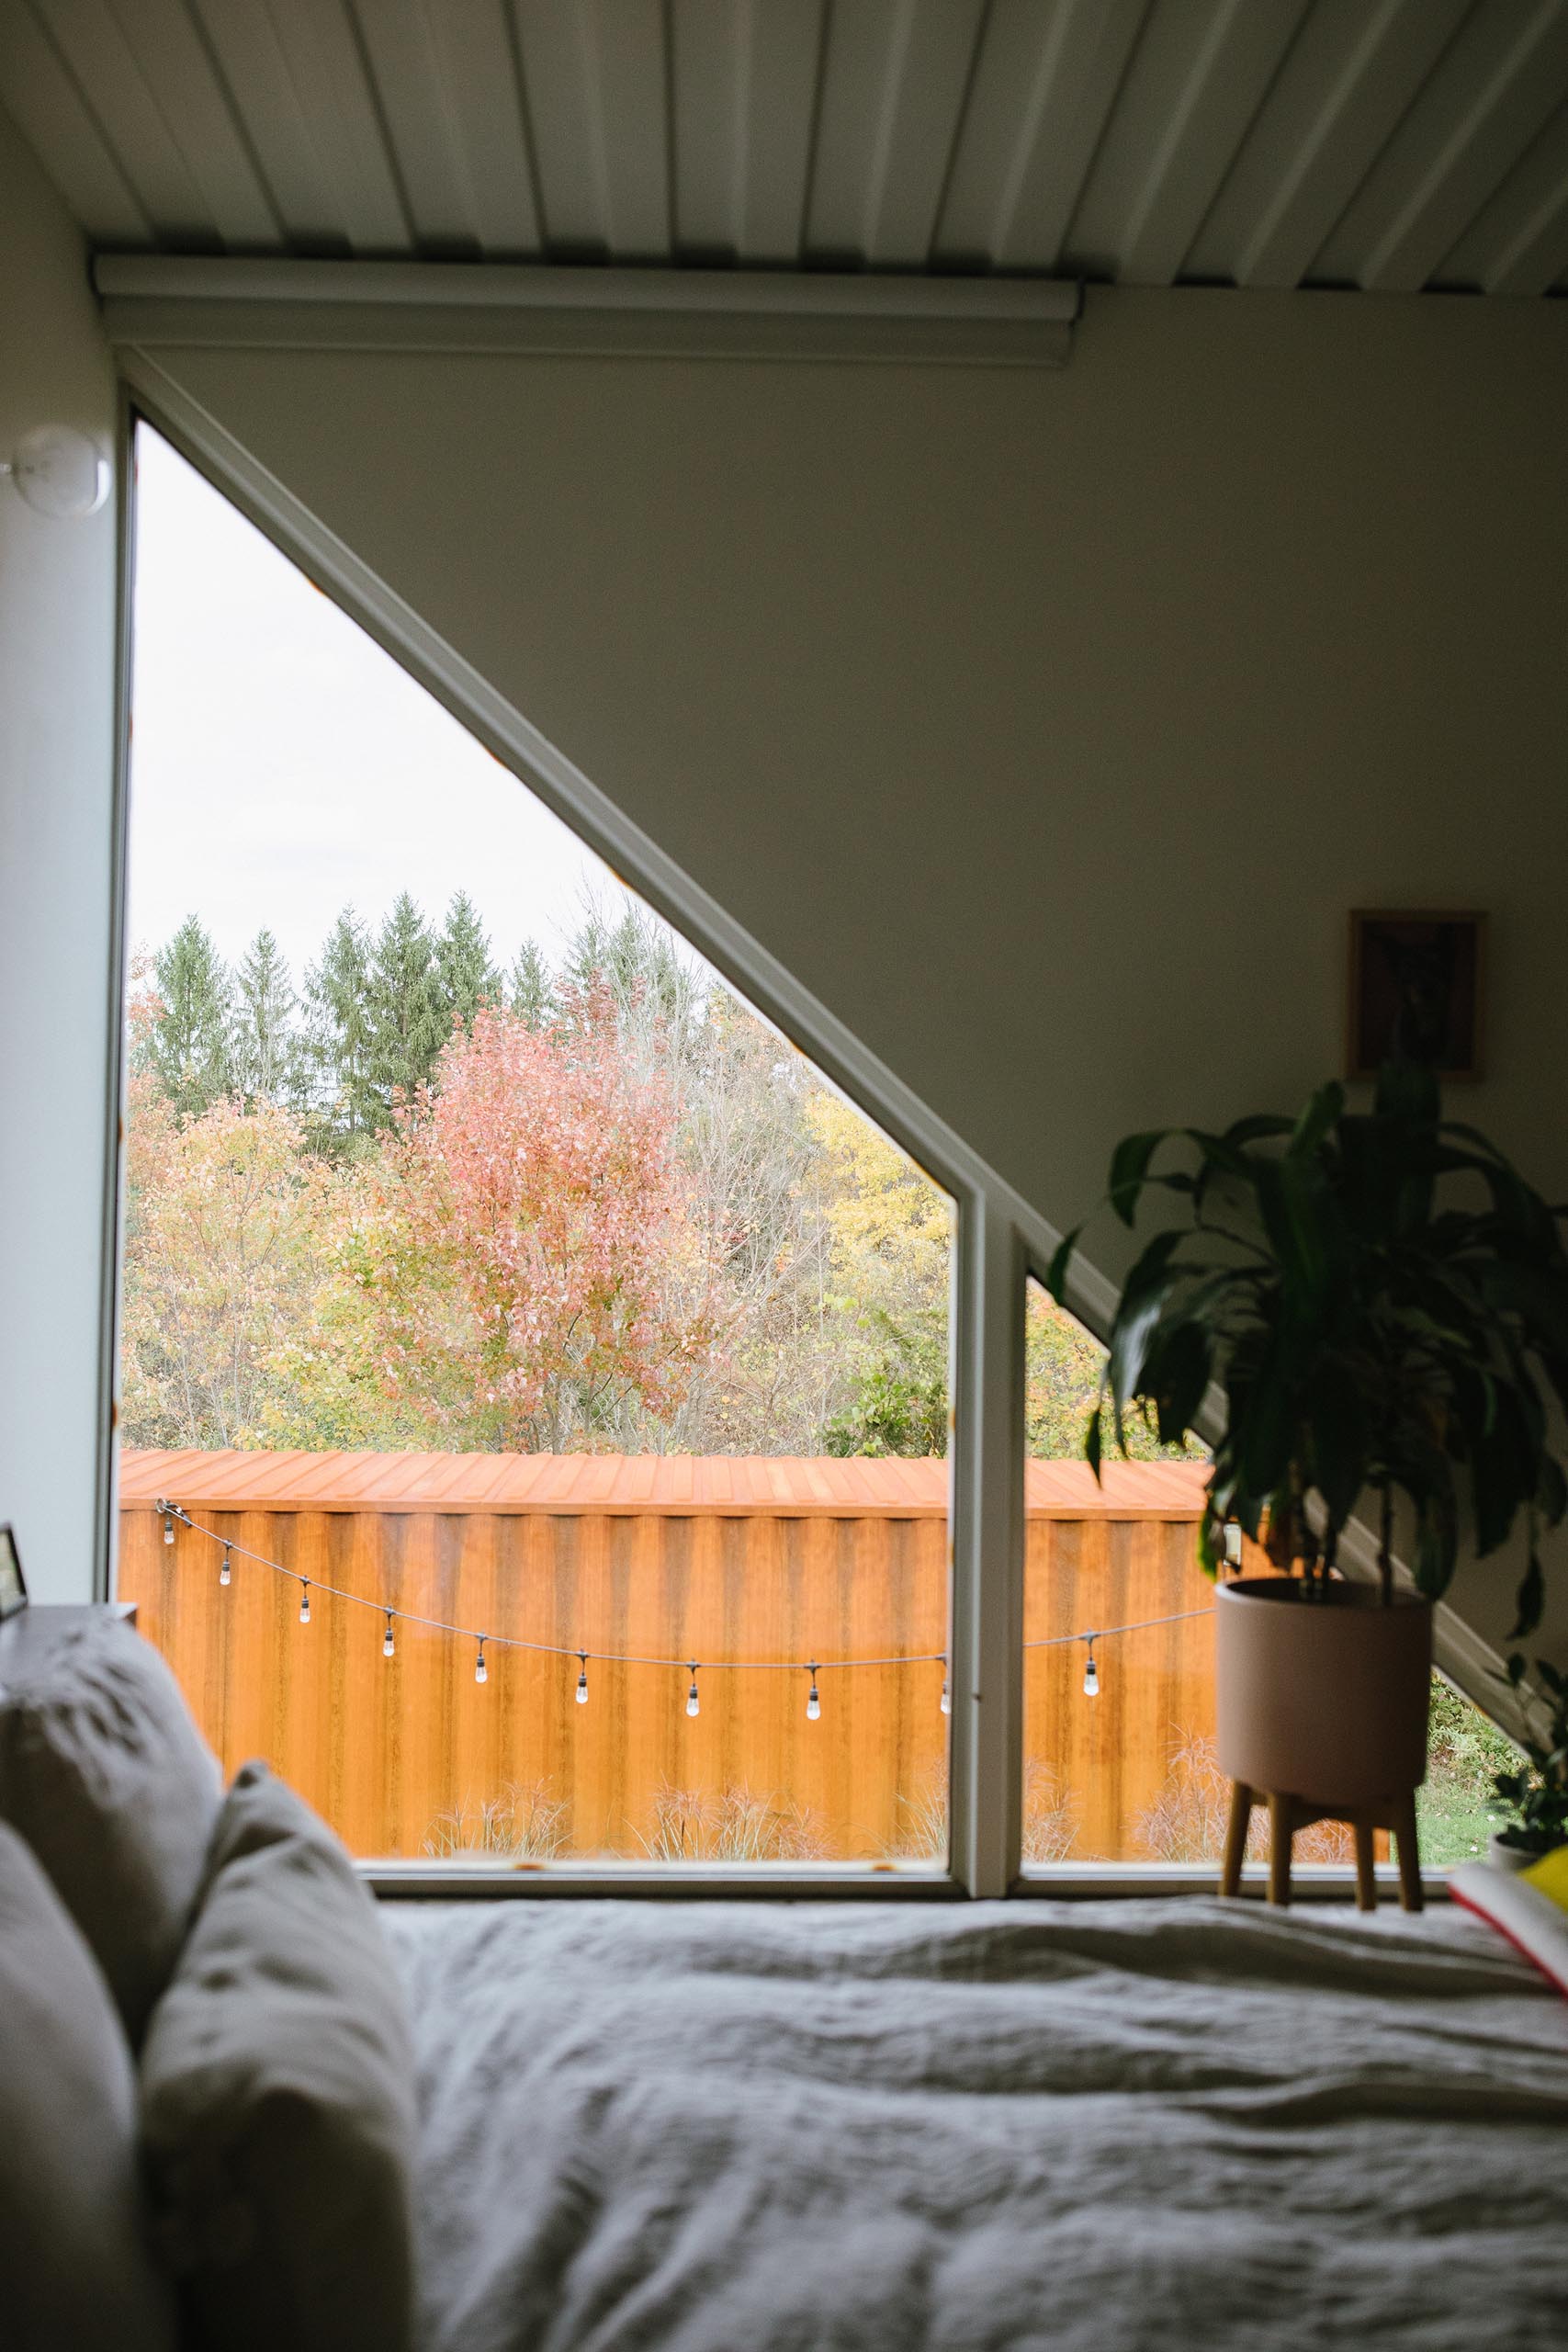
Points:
(1281, 1828)
(1235, 1836)
(1402, 1823)
(1366, 1884)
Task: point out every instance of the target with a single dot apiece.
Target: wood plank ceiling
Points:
(1394, 145)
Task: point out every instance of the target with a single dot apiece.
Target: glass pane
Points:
(547, 1367)
(1119, 1721)
(1119, 1763)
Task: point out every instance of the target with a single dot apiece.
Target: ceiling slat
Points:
(53, 117)
(709, 39)
(177, 68)
(1044, 86)
(399, 48)
(1517, 244)
(326, 73)
(566, 122)
(250, 60)
(106, 71)
(781, 70)
(1493, 91)
(1195, 83)
(632, 75)
(487, 136)
(1352, 73)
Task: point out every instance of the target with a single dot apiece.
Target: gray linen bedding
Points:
(743, 2128)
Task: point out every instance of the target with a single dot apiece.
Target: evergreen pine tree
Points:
(337, 1002)
(264, 1049)
(187, 1046)
(533, 993)
(408, 1025)
(465, 976)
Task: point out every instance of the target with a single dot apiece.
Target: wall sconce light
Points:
(59, 473)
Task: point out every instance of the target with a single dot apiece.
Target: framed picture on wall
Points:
(13, 1587)
(1416, 990)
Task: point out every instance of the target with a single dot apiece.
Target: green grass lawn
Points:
(1453, 1809)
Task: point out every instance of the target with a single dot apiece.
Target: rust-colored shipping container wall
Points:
(670, 1558)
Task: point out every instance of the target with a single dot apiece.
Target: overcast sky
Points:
(283, 766)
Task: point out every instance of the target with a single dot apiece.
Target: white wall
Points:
(1046, 725)
(57, 720)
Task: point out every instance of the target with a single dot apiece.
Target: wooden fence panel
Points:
(405, 1754)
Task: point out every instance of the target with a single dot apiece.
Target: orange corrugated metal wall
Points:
(390, 1751)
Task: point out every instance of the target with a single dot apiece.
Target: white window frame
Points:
(1001, 1240)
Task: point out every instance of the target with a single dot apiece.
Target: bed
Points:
(1099, 2125)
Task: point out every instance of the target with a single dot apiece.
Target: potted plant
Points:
(1381, 1301)
(1537, 1794)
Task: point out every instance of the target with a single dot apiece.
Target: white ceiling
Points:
(1389, 144)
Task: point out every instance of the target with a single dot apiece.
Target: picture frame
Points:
(1415, 987)
(13, 1584)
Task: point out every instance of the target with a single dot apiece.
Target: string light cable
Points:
(173, 1513)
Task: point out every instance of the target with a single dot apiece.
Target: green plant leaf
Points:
(1322, 1113)
(1129, 1167)
(1061, 1258)
(1530, 1600)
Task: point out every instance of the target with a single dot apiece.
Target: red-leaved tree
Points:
(528, 1254)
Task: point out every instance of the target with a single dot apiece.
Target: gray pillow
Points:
(74, 2274)
(103, 1773)
(278, 2096)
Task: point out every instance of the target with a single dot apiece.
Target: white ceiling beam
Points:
(396, 305)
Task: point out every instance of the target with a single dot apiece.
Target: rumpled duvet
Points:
(765, 2128)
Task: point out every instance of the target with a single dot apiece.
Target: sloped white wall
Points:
(1046, 725)
(57, 720)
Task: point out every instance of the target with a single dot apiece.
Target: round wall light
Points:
(59, 473)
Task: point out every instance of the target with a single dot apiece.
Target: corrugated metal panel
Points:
(675, 1485)
(1391, 144)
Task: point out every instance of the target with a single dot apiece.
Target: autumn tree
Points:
(527, 1245)
(221, 1260)
(187, 1046)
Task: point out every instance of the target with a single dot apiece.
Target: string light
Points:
(171, 1513)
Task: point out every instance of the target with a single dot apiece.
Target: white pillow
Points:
(103, 1773)
(278, 2095)
(74, 2274)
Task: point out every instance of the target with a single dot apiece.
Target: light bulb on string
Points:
(693, 1703)
(482, 1671)
(389, 1645)
(582, 1678)
(1233, 1544)
(1091, 1672)
(946, 1692)
(168, 1525)
(304, 1600)
(813, 1703)
(226, 1569)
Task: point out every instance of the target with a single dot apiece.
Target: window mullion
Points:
(988, 1540)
